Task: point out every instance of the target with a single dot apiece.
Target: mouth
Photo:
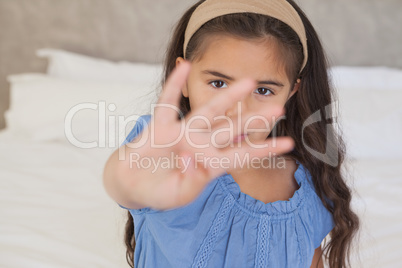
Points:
(240, 138)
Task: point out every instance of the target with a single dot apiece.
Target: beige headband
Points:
(278, 9)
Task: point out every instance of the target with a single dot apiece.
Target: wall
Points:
(354, 32)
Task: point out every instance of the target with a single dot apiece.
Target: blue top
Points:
(225, 227)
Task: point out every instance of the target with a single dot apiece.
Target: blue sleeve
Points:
(323, 225)
(317, 215)
(137, 129)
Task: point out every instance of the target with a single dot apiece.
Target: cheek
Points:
(263, 121)
(261, 105)
(259, 126)
(265, 110)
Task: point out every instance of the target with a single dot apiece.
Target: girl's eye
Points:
(263, 91)
(260, 91)
(218, 84)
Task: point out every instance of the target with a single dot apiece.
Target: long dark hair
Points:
(314, 94)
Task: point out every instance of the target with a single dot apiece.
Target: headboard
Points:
(358, 33)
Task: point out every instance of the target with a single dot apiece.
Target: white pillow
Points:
(64, 64)
(40, 105)
(372, 122)
(364, 78)
(370, 110)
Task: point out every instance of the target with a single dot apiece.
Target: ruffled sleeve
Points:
(137, 129)
(323, 224)
(319, 217)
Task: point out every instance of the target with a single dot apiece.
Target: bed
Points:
(55, 212)
(54, 209)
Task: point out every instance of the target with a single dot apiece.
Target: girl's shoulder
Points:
(304, 208)
(314, 213)
(141, 122)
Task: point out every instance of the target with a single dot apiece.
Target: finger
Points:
(228, 130)
(223, 101)
(247, 153)
(168, 103)
(217, 161)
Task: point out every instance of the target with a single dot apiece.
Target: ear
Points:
(295, 89)
(184, 90)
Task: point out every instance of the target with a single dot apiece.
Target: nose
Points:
(237, 109)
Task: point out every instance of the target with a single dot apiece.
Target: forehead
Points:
(254, 58)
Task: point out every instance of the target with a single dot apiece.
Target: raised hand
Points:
(192, 141)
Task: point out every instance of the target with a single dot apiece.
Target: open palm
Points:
(181, 179)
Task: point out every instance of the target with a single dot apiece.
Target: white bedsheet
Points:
(378, 199)
(55, 212)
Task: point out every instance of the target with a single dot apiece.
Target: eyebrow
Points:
(265, 82)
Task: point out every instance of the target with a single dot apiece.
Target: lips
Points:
(239, 138)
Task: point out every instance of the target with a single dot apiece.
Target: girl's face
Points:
(226, 60)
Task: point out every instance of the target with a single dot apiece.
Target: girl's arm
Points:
(116, 183)
(317, 259)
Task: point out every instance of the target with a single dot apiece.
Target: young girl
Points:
(204, 184)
